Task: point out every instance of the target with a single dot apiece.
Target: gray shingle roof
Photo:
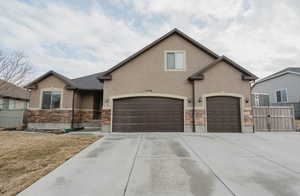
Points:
(12, 91)
(276, 74)
(90, 82)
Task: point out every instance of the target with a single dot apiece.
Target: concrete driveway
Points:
(163, 164)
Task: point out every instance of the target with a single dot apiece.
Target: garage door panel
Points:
(223, 114)
(147, 114)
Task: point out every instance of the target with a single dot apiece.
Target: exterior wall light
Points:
(200, 99)
(247, 100)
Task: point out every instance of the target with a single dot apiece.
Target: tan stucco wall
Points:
(146, 72)
(222, 78)
(51, 82)
(87, 100)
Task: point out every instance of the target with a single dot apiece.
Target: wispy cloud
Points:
(90, 36)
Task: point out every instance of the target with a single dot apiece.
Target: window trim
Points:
(52, 89)
(280, 89)
(174, 51)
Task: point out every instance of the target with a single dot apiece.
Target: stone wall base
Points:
(106, 128)
(49, 126)
(247, 129)
(200, 129)
(188, 128)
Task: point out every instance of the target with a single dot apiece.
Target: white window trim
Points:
(280, 89)
(52, 89)
(184, 60)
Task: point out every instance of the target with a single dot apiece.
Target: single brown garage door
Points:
(147, 114)
(223, 114)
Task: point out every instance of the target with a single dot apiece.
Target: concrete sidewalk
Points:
(162, 164)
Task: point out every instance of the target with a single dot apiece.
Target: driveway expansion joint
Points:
(133, 163)
(206, 164)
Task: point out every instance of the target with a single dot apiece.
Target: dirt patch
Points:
(26, 157)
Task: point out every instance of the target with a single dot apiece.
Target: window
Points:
(281, 96)
(175, 60)
(5, 104)
(12, 104)
(51, 99)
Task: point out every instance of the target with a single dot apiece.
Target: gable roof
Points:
(70, 84)
(89, 82)
(9, 90)
(247, 74)
(106, 75)
(288, 70)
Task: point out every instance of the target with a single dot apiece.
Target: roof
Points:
(89, 82)
(291, 70)
(68, 81)
(199, 74)
(106, 75)
(9, 90)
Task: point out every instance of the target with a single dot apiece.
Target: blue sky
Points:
(76, 37)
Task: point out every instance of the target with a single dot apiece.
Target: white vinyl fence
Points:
(11, 118)
(274, 118)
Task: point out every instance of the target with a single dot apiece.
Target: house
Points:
(260, 99)
(173, 84)
(12, 97)
(281, 87)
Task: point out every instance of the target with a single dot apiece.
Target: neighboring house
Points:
(260, 99)
(173, 84)
(13, 97)
(282, 88)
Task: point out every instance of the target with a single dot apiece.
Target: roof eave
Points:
(248, 78)
(104, 77)
(196, 77)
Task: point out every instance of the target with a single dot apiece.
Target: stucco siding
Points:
(147, 71)
(288, 81)
(222, 78)
(51, 82)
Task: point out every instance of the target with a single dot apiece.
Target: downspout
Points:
(73, 105)
(193, 110)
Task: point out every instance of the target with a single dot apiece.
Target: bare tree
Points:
(14, 68)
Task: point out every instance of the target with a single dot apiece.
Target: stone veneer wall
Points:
(199, 120)
(106, 120)
(46, 116)
(58, 119)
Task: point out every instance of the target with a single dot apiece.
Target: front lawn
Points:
(26, 157)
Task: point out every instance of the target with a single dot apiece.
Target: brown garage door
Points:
(223, 114)
(147, 114)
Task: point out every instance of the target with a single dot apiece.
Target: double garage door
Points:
(158, 114)
(148, 114)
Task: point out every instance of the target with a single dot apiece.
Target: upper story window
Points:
(51, 99)
(281, 95)
(175, 60)
(5, 104)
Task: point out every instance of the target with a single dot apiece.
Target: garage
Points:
(148, 114)
(223, 114)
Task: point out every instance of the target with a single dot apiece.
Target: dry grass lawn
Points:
(26, 157)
